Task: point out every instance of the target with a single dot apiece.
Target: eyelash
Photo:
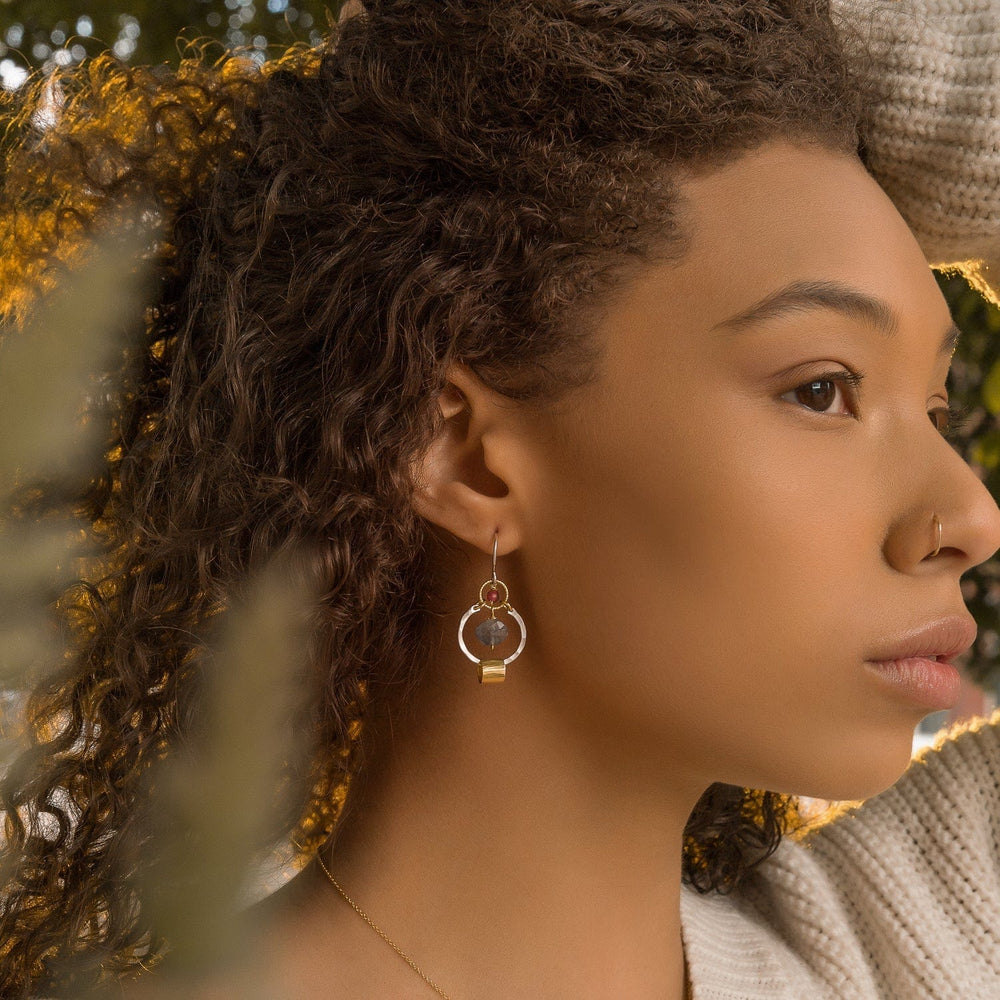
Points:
(956, 416)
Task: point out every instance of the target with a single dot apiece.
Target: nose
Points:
(969, 519)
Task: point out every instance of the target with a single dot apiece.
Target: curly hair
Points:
(437, 181)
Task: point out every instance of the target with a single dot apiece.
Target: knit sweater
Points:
(935, 143)
(897, 898)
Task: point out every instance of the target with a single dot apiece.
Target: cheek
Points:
(694, 510)
(706, 569)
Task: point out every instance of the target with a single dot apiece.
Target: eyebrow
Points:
(800, 296)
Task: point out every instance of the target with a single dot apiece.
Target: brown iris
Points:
(818, 395)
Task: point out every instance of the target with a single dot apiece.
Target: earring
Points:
(936, 520)
(492, 631)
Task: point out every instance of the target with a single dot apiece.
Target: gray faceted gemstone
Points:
(491, 632)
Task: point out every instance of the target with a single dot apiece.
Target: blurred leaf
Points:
(34, 558)
(52, 440)
(50, 372)
(27, 648)
(212, 803)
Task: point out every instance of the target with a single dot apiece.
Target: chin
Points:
(860, 773)
(850, 767)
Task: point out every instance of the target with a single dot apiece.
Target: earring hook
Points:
(496, 538)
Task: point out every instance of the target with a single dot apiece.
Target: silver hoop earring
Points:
(491, 631)
(936, 520)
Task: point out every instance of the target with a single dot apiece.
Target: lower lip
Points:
(928, 684)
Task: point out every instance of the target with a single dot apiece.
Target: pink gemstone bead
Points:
(492, 595)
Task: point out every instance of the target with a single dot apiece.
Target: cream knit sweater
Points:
(936, 144)
(895, 899)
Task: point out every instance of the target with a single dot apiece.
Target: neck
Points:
(511, 850)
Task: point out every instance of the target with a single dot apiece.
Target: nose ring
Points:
(936, 520)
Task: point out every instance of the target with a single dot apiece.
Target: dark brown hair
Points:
(441, 180)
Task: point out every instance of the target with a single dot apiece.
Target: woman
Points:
(589, 317)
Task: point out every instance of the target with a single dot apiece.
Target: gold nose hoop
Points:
(936, 520)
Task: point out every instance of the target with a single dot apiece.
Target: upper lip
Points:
(944, 638)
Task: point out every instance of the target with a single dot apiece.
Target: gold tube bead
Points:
(491, 671)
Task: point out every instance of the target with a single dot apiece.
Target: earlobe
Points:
(457, 485)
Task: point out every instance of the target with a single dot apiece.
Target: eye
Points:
(826, 393)
(949, 420)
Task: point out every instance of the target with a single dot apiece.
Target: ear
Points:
(465, 482)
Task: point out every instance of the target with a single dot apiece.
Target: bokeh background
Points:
(45, 34)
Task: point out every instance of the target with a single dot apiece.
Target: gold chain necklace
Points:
(399, 951)
(385, 937)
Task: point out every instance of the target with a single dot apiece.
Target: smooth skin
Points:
(706, 545)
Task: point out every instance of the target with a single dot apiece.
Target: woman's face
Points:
(721, 531)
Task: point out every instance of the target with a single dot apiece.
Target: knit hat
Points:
(934, 145)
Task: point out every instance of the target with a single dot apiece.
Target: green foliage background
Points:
(975, 386)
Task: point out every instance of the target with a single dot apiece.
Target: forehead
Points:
(785, 213)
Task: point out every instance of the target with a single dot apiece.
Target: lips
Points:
(942, 640)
